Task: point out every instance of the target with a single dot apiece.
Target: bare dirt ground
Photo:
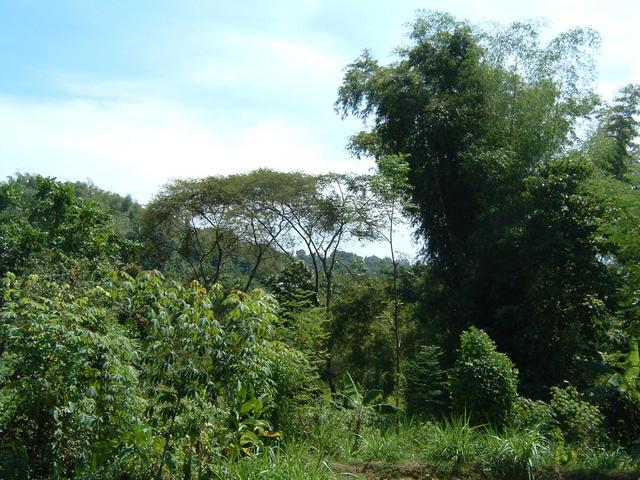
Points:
(418, 471)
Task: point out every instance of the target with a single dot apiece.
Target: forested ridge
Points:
(224, 330)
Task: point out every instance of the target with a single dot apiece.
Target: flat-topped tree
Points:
(210, 220)
(195, 220)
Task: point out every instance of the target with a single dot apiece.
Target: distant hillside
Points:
(352, 262)
(124, 210)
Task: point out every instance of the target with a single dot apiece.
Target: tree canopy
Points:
(487, 120)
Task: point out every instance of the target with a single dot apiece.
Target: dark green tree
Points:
(293, 287)
(426, 390)
(486, 122)
(43, 224)
(361, 340)
(303, 324)
(613, 151)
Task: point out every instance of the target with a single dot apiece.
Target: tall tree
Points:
(613, 144)
(196, 220)
(483, 118)
(614, 150)
(392, 193)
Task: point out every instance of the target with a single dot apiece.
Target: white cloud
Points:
(135, 147)
(297, 73)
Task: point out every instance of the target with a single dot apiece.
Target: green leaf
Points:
(384, 409)
(372, 397)
(350, 388)
(342, 401)
(246, 407)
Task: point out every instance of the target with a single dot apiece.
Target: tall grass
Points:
(329, 431)
(515, 452)
(291, 462)
(389, 444)
(453, 441)
(602, 459)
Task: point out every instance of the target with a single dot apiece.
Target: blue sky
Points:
(132, 94)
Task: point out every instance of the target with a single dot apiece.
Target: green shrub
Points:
(617, 394)
(483, 381)
(296, 383)
(138, 375)
(69, 387)
(426, 382)
(580, 421)
(528, 413)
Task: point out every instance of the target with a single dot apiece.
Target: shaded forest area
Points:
(222, 330)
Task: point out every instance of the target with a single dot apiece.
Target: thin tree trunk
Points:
(167, 438)
(255, 268)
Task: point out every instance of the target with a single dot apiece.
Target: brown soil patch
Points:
(421, 471)
(396, 471)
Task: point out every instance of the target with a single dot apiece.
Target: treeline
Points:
(217, 319)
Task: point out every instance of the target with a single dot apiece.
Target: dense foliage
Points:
(485, 120)
(221, 331)
(139, 371)
(425, 382)
(483, 381)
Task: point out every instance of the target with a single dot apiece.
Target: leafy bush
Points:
(248, 428)
(68, 379)
(483, 381)
(296, 384)
(425, 382)
(617, 393)
(140, 373)
(528, 413)
(580, 421)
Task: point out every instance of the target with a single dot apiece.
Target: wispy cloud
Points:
(196, 88)
(135, 147)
